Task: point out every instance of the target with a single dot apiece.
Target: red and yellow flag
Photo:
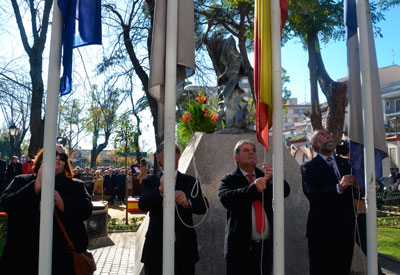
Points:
(262, 66)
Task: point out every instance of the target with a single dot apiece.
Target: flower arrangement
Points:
(198, 118)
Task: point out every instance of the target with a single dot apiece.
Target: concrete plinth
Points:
(212, 155)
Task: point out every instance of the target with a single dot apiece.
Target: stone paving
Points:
(117, 259)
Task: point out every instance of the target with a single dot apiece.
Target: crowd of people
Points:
(335, 220)
(113, 184)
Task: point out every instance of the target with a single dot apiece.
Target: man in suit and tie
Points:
(151, 199)
(249, 222)
(330, 188)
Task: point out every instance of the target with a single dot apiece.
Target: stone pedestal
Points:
(212, 155)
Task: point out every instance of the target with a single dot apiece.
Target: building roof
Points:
(387, 75)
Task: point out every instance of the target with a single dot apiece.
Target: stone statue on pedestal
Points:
(227, 63)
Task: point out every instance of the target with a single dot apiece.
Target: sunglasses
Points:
(63, 156)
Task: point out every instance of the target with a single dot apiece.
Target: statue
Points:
(227, 63)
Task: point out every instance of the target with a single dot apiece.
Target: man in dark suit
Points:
(3, 168)
(329, 186)
(249, 223)
(186, 251)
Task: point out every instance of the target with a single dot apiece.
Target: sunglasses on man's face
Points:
(63, 156)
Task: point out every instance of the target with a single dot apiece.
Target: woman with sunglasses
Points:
(21, 201)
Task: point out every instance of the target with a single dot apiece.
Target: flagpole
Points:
(369, 164)
(277, 145)
(49, 156)
(169, 138)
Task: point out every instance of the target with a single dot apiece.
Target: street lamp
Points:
(13, 132)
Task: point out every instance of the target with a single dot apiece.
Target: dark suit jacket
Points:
(331, 214)
(186, 241)
(237, 196)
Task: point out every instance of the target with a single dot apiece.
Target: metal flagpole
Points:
(49, 155)
(369, 164)
(169, 138)
(277, 145)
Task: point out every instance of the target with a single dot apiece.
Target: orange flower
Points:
(214, 117)
(186, 118)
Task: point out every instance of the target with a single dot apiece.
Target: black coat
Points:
(110, 184)
(237, 196)
(331, 214)
(186, 241)
(21, 252)
(3, 168)
(13, 170)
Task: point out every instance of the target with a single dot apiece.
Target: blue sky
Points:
(295, 58)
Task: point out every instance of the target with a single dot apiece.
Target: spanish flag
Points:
(262, 66)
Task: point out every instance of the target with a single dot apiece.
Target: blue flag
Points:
(81, 27)
(355, 97)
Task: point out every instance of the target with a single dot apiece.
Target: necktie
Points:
(330, 163)
(259, 210)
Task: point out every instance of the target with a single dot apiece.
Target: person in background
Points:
(3, 168)
(98, 185)
(21, 201)
(14, 169)
(121, 185)
(129, 183)
(78, 173)
(87, 179)
(27, 167)
(186, 250)
(246, 193)
(151, 171)
(110, 185)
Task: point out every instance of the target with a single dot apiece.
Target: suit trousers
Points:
(330, 257)
(250, 264)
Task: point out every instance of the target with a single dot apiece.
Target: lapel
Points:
(324, 167)
(241, 179)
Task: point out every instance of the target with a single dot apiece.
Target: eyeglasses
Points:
(63, 156)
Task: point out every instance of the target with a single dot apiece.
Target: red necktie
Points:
(258, 208)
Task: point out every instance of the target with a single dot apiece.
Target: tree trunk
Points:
(248, 69)
(335, 93)
(316, 117)
(36, 122)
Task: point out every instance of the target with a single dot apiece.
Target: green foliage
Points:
(126, 134)
(120, 225)
(199, 117)
(392, 221)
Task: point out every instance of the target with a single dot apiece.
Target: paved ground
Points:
(119, 258)
(389, 266)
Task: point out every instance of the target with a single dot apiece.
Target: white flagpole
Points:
(369, 158)
(49, 156)
(169, 138)
(277, 145)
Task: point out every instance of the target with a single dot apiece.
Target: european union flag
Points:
(81, 27)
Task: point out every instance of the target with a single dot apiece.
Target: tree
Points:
(312, 21)
(39, 12)
(71, 122)
(102, 115)
(228, 16)
(15, 107)
(133, 21)
(125, 140)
